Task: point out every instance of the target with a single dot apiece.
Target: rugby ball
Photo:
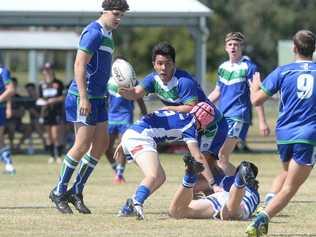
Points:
(123, 73)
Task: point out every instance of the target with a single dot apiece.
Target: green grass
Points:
(25, 209)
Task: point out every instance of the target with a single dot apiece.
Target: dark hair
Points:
(165, 49)
(30, 85)
(304, 41)
(14, 80)
(120, 5)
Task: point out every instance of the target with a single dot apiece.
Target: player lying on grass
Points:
(140, 141)
(238, 199)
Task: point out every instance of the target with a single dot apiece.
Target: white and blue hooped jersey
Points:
(296, 83)
(180, 90)
(120, 110)
(167, 126)
(233, 84)
(98, 42)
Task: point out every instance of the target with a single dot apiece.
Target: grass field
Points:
(25, 209)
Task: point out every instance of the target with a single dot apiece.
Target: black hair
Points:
(120, 5)
(30, 84)
(165, 49)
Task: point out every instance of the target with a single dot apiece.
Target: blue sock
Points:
(87, 165)
(141, 194)
(239, 183)
(67, 169)
(189, 180)
(5, 155)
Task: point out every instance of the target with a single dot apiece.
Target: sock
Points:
(120, 170)
(268, 198)
(51, 150)
(87, 165)
(189, 180)
(5, 155)
(67, 169)
(239, 183)
(113, 165)
(59, 149)
(141, 194)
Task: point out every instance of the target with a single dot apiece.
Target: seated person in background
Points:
(34, 113)
(238, 199)
(14, 120)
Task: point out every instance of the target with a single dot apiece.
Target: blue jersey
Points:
(234, 101)
(180, 90)
(120, 109)
(167, 126)
(5, 79)
(296, 83)
(96, 41)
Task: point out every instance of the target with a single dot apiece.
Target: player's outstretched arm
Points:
(133, 93)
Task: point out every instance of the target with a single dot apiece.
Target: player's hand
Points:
(264, 129)
(126, 92)
(84, 106)
(256, 82)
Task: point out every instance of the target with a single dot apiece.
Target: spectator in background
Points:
(51, 98)
(15, 120)
(6, 91)
(34, 113)
(120, 114)
(232, 92)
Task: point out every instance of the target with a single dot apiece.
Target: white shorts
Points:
(134, 143)
(248, 204)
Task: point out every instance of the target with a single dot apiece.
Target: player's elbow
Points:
(175, 212)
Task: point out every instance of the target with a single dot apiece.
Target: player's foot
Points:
(119, 179)
(77, 200)
(192, 166)
(61, 202)
(9, 169)
(259, 226)
(139, 211)
(247, 172)
(51, 160)
(127, 209)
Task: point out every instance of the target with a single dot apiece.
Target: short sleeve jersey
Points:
(167, 126)
(5, 79)
(120, 109)
(96, 41)
(296, 83)
(52, 90)
(234, 101)
(180, 90)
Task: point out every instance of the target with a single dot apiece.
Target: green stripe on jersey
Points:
(108, 42)
(169, 95)
(232, 75)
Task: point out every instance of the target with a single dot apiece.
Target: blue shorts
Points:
(212, 140)
(2, 116)
(98, 111)
(302, 153)
(237, 129)
(117, 128)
